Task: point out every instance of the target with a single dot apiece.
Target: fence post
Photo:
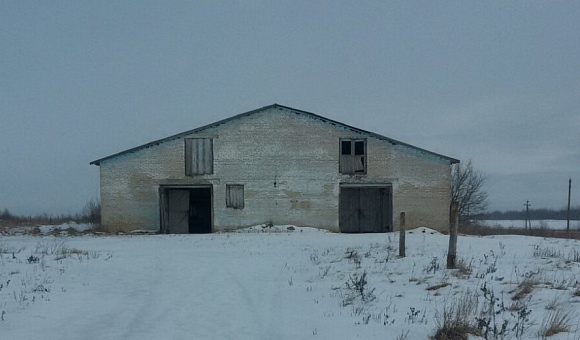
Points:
(454, 223)
(402, 235)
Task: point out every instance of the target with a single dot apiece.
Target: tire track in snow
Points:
(260, 294)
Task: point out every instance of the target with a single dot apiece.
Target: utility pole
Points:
(568, 215)
(528, 222)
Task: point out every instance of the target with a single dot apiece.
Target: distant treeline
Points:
(91, 213)
(535, 214)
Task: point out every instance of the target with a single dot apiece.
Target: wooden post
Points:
(568, 215)
(454, 223)
(402, 235)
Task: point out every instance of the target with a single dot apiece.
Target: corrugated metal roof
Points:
(313, 115)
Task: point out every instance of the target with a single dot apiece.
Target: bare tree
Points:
(92, 211)
(5, 214)
(467, 189)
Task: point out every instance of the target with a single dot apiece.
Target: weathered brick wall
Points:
(288, 164)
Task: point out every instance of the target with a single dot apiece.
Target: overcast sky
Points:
(497, 82)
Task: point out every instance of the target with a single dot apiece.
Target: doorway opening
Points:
(365, 209)
(186, 210)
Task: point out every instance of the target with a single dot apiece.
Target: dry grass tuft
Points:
(546, 252)
(555, 322)
(554, 304)
(524, 289)
(456, 321)
(439, 286)
(463, 269)
(454, 333)
(516, 306)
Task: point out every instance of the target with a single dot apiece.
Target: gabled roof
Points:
(275, 106)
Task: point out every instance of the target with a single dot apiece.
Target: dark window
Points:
(346, 147)
(198, 156)
(359, 147)
(235, 196)
(352, 156)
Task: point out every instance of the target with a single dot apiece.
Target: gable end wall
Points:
(288, 164)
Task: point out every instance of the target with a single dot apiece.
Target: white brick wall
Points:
(288, 164)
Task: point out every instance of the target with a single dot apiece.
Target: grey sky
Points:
(497, 82)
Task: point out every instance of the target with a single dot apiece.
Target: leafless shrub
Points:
(487, 322)
(433, 266)
(358, 285)
(356, 288)
(353, 255)
(415, 315)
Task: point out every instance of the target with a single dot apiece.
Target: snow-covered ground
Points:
(536, 224)
(57, 229)
(287, 284)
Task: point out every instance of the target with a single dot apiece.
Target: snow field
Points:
(302, 284)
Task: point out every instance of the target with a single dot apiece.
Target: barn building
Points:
(274, 165)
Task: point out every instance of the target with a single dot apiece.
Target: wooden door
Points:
(348, 216)
(186, 210)
(365, 210)
(177, 211)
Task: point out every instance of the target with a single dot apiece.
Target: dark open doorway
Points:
(186, 210)
(365, 209)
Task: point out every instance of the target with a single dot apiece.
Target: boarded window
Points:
(353, 156)
(235, 196)
(198, 156)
